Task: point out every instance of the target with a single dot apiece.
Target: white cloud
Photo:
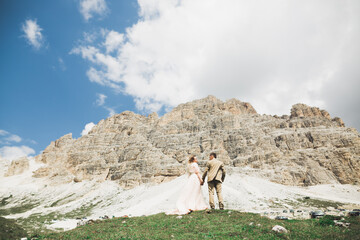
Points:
(89, 37)
(101, 99)
(111, 111)
(13, 138)
(113, 41)
(3, 132)
(7, 138)
(61, 64)
(87, 128)
(90, 7)
(33, 33)
(272, 54)
(32, 141)
(87, 52)
(14, 152)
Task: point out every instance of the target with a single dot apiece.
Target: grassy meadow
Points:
(226, 224)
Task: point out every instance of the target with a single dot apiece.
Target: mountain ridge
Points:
(306, 148)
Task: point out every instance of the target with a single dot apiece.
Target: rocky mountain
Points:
(306, 148)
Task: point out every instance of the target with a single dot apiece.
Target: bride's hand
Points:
(201, 182)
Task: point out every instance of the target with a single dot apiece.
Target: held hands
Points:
(200, 179)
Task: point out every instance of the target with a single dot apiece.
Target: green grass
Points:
(4, 201)
(35, 223)
(23, 207)
(9, 229)
(311, 202)
(216, 225)
(303, 202)
(56, 203)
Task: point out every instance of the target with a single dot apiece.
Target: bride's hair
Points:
(192, 159)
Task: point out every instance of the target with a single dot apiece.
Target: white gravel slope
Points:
(241, 192)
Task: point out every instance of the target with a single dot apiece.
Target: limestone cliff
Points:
(305, 148)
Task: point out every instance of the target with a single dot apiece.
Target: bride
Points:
(191, 197)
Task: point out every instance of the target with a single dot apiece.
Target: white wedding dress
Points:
(191, 197)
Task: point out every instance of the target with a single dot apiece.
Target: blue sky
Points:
(45, 93)
(67, 64)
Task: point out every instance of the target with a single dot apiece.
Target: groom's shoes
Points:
(221, 206)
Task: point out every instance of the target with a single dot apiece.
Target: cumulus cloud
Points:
(113, 41)
(32, 33)
(14, 152)
(270, 53)
(87, 128)
(89, 37)
(88, 8)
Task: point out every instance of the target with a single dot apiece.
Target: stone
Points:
(302, 110)
(279, 229)
(303, 149)
(4, 165)
(338, 121)
(341, 224)
(317, 214)
(81, 223)
(77, 180)
(17, 166)
(354, 213)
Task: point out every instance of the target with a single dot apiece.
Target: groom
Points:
(216, 175)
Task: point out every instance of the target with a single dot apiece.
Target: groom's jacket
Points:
(215, 171)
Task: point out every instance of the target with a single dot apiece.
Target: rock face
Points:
(306, 148)
(4, 164)
(17, 166)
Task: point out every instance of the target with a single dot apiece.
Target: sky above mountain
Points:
(65, 65)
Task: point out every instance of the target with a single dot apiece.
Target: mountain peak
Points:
(132, 149)
(210, 105)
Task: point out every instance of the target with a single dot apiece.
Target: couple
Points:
(191, 198)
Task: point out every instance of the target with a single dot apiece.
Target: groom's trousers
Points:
(215, 184)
